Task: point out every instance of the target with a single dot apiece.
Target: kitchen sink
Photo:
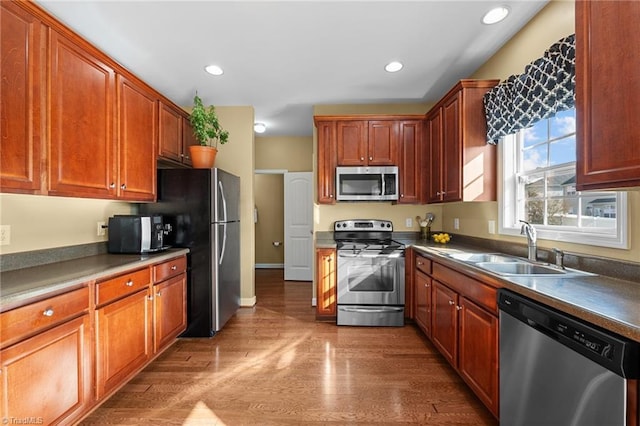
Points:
(484, 257)
(520, 268)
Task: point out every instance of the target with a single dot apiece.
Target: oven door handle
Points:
(376, 310)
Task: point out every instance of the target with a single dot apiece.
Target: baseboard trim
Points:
(269, 265)
(247, 302)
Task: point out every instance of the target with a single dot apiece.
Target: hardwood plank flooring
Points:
(273, 364)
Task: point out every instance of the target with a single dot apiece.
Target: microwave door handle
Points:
(383, 185)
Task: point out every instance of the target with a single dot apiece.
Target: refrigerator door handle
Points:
(224, 201)
(224, 242)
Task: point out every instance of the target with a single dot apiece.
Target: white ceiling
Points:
(283, 57)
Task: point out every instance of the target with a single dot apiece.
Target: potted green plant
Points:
(208, 132)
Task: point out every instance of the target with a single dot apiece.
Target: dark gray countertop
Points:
(27, 285)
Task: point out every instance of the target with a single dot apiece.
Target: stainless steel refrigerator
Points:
(201, 207)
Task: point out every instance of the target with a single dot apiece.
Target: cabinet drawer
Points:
(28, 320)
(423, 264)
(482, 294)
(169, 269)
(122, 285)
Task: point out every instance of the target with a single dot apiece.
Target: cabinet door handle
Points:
(459, 308)
(48, 312)
(150, 297)
(174, 267)
(112, 185)
(159, 294)
(330, 195)
(451, 302)
(123, 186)
(129, 283)
(370, 158)
(401, 195)
(361, 158)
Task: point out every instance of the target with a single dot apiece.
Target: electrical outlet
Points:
(100, 230)
(5, 235)
(492, 227)
(456, 223)
(408, 222)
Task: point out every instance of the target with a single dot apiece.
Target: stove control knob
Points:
(388, 225)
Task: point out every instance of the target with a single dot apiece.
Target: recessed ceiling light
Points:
(213, 70)
(259, 127)
(495, 15)
(394, 66)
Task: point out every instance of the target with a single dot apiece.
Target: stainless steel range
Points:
(370, 273)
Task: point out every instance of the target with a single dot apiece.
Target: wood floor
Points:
(275, 365)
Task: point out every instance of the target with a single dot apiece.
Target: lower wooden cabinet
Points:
(48, 378)
(422, 301)
(459, 315)
(478, 352)
(123, 340)
(326, 284)
(169, 311)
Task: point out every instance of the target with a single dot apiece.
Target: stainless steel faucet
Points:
(532, 238)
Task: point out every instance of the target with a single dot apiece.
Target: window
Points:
(538, 185)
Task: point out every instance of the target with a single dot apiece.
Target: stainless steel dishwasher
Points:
(558, 370)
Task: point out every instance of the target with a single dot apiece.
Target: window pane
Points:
(534, 134)
(534, 210)
(599, 204)
(557, 212)
(563, 151)
(563, 123)
(534, 158)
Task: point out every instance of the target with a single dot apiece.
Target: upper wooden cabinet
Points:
(21, 112)
(170, 142)
(327, 161)
(188, 139)
(367, 143)
(82, 149)
(607, 91)
(462, 166)
(410, 139)
(138, 124)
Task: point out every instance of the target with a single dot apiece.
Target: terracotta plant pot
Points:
(203, 157)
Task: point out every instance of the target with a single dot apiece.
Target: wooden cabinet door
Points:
(423, 302)
(81, 106)
(478, 352)
(409, 144)
(382, 143)
(607, 91)
(170, 311)
(21, 115)
(137, 138)
(170, 134)
(434, 160)
(352, 139)
(188, 139)
(327, 161)
(49, 376)
(326, 283)
(444, 321)
(123, 340)
(451, 156)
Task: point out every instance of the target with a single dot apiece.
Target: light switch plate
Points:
(456, 223)
(492, 227)
(408, 222)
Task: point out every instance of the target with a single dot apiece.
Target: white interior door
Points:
(298, 226)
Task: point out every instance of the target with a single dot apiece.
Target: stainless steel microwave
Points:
(367, 183)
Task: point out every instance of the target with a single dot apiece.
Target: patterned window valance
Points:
(546, 87)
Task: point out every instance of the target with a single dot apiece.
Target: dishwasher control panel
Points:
(587, 340)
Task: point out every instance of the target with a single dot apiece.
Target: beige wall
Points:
(40, 222)
(285, 153)
(553, 22)
(269, 189)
